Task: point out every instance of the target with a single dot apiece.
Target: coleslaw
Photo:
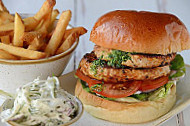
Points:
(42, 103)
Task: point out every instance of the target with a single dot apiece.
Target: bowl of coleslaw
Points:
(40, 103)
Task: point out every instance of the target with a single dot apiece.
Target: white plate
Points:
(68, 82)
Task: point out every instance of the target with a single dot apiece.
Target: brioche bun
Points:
(125, 112)
(142, 32)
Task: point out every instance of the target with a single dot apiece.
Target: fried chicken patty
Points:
(137, 60)
(114, 75)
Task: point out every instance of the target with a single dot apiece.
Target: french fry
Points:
(73, 34)
(44, 22)
(7, 27)
(42, 31)
(2, 7)
(11, 35)
(68, 32)
(50, 34)
(39, 25)
(28, 37)
(79, 30)
(67, 43)
(47, 20)
(5, 17)
(18, 30)
(6, 55)
(30, 23)
(4, 33)
(43, 47)
(21, 52)
(45, 9)
(57, 36)
(36, 44)
(6, 39)
(36, 37)
(54, 15)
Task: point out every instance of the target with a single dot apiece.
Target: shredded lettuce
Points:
(161, 92)
(6, 95)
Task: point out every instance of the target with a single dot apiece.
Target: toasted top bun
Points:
(142, 32)
(125, 112)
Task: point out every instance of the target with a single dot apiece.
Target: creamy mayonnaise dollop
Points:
(41, 102)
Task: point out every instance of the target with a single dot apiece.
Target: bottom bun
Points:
(125, 112)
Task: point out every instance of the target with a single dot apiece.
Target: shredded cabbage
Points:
(41, 102)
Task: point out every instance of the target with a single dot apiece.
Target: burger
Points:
(131, 74)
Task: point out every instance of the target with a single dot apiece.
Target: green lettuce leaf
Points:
(154, 95)
(159, 93)
(178, 66)
(168, 87)
(179, 73)
(177, 63)
(84, 86)
(142, 96)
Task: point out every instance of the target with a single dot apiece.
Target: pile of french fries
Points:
(36, 37)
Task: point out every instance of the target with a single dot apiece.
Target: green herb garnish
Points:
(114, 59)
(96, 63)
(117, 57)
(96, 87)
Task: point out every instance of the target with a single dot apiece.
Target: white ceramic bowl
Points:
(10, 102)
(15, 73)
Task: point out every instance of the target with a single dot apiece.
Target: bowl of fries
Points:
(35, 45)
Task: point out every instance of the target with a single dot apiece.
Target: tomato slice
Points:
(86, 78)
(118, 90)
(153, 84)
